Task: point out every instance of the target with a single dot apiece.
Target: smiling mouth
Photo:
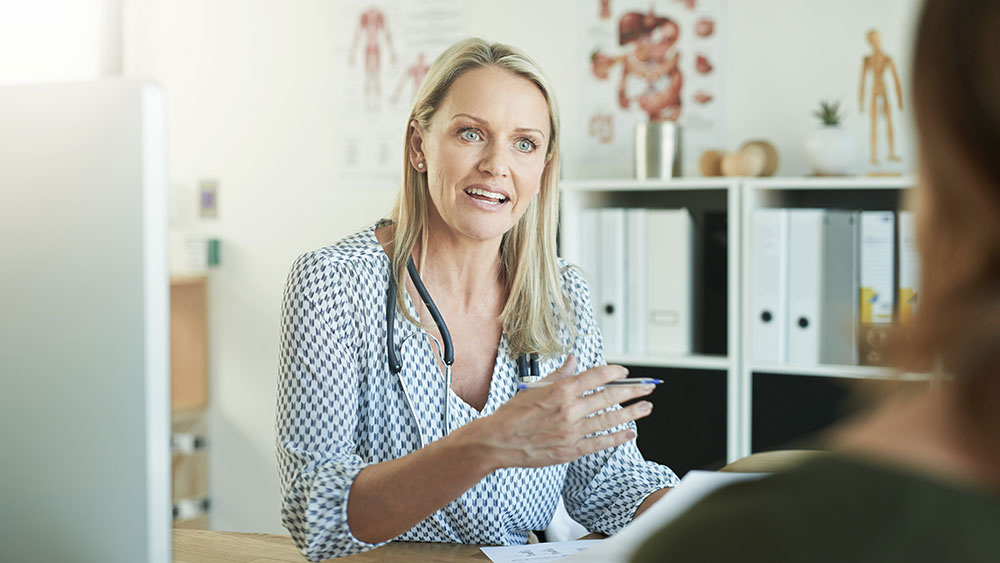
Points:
(486, 196)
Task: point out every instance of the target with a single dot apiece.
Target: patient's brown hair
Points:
(956, 78)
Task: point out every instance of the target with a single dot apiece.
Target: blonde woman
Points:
(402, 347)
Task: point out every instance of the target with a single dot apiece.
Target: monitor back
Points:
(84, 330)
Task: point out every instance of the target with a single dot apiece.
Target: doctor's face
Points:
(484, 153)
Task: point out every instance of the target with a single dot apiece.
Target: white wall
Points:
(251, 105)
(248, 107)
(59, 40)
(786, 55)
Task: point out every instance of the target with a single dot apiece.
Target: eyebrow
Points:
(480, 120)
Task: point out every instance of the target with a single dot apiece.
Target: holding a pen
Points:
(628, 381)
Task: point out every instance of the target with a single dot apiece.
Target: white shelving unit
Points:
(739, 198)
(717, 194)
(855, 193)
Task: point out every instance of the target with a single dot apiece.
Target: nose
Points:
(494, 161)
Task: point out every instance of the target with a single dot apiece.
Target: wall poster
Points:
(642, 60)
(384, 50)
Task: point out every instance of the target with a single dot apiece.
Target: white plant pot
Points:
(831, 151)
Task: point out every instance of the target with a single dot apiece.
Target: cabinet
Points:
(189, 400)
(763, 406)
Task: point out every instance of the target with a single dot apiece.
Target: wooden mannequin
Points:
(877, 62)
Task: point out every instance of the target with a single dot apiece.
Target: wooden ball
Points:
(756, 159)
(710, 163)
(743, 163)
(770, 155)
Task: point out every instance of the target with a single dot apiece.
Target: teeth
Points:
(485, 193)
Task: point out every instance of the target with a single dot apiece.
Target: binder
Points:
(611, 279)
(711, 286)
(909, 267)
(635, 298)
(877, 293)
(768, 286)
(589, 259)
(822, 287)
(669, 280)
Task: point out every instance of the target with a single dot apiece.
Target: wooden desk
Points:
(203, 546)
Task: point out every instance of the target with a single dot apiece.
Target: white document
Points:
(877, 232)
(805, 264)
(669, 281)
(589, 251)
(550, 551)
(610, 308)
(909, 267)
(822, 287)
(768, 286)
(635, 299)
(694, 487)
(877, 295)
(838, 338)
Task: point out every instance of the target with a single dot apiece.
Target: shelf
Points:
(739, 199)
(853, 372)
(188, 279)
(721, 183)
(626, 184)
(832, 183)
(682, 362)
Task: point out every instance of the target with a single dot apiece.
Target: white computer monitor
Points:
(84, 329)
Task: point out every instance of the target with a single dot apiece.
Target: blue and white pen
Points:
(627, 381)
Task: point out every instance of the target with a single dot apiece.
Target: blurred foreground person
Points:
(917, 479)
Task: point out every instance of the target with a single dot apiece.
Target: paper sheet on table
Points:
(531, 553)
(692, 488)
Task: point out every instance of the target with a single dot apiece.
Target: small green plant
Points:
(829, 113)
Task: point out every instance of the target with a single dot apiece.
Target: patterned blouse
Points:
(340, 409)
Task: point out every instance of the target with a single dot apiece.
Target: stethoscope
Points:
(527, 365)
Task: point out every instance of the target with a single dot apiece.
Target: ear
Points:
(415, 142)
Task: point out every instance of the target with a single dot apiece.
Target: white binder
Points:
(909, 267)
(877, 295)
(768, 286)
(635, 298)
(669, 274)
(589, 251)
(822, 287)
(610, 307)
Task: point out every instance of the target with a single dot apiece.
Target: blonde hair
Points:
(536, 309)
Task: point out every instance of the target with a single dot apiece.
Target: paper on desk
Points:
(692, 488)
(537, 551)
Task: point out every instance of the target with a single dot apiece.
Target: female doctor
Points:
(403, 345)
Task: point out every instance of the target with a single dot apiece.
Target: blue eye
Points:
(469, 134)
(526, 145)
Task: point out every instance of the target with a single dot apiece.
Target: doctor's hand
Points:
(556, 423)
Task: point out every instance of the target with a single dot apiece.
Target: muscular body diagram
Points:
(414, 75)
(372, 25)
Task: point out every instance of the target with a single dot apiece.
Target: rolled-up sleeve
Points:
(317, 411)
(603, 490)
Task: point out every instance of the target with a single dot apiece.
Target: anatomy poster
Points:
(643, 60)
(384, 50)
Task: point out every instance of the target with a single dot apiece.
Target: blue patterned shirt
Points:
(340, 409)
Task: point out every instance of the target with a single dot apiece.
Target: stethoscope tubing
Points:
(449, 348)
(528, 369)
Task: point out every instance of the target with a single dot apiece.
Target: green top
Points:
(835, 509)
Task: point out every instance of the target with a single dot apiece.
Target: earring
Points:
(420, 165)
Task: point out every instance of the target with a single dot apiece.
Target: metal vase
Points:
(657, 150)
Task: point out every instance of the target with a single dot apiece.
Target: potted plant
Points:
(830, 150)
